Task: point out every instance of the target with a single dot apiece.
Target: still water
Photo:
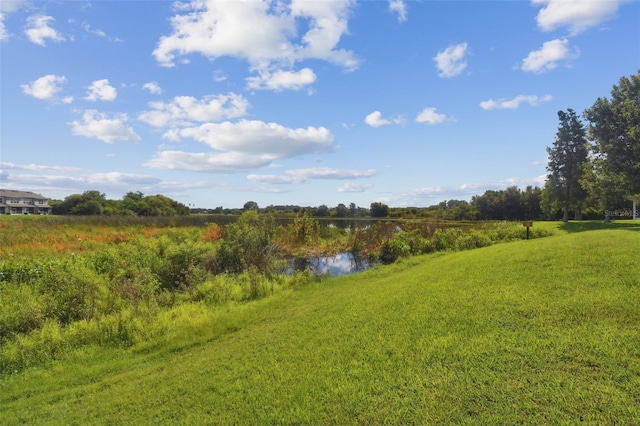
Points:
(340, 264)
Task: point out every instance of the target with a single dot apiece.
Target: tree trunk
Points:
(578, 215)
(565, 217)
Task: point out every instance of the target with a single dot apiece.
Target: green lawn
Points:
(545, 331)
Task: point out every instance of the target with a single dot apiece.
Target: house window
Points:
(28, 201)
(14, 201)
(42, 201)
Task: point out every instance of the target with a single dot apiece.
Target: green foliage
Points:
(379, 210)
(93, 203)
(511, 334)
(304, 229)
(248, 243)
(615, 128)
(392, 249)
(567, 160)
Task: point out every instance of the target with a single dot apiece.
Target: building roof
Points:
(21, 194)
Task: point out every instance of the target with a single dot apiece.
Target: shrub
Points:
(392, 249)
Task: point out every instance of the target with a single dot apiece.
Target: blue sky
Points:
(306, 102)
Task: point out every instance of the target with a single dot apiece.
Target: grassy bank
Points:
(530, 332)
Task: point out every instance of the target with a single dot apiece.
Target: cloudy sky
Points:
(307, 102)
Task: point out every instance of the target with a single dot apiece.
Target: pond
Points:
(340, 264)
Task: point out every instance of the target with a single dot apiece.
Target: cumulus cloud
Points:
(7, 8)
(265, 33)
(187, 110)
(430, 116)
(399, 7)
(38, 30)
(101, 90)
(375, 120)
(243, 145)
(549, 56)
(44, 87)
(258, 137)
(514, 103)
(451, 61)
(282, 80)
(107, 129)
(152, 87)
(576, 15)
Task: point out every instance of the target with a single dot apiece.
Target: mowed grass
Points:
(544, 331)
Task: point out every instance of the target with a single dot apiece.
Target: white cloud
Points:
(263, 32)
(550, 54)
(87, 28)
(274, 179)
(38, 30)
(354, 187)
(7, 8)
(12, 6)
(257, 137)
(229, 162)
(187, 110)
(101, 90)
(100, 126)
(37, 167)
(375, 120)
(153, 87)
(329, 173)
(399, 7)
(219, 76)
(451, 61)
(240, 146)
(576, 15)
(313, 173)
(515, 102)
(44, 87)
(430, 116)
(282, 80)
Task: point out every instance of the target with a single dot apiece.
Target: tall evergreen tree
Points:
(567, 158)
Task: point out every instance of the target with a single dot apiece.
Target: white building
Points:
(22, 202)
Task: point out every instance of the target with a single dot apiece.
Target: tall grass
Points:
(531, 332)
(64, 285)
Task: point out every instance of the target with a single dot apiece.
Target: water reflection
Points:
(340, 264)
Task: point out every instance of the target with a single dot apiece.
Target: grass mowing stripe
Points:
(541, 331)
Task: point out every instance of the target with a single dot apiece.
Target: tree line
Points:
(93, 202)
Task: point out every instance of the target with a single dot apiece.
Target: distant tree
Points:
(250, 205)
(531, 198)
(567, 158)
(614, 126)
(489, 205)
(87, 203)
(341, 210)
(512, 205)
(353, 209)
(379, 210)
(322, 211)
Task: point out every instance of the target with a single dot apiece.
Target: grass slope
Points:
(533, 332)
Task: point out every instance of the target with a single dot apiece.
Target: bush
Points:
(392, 249)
